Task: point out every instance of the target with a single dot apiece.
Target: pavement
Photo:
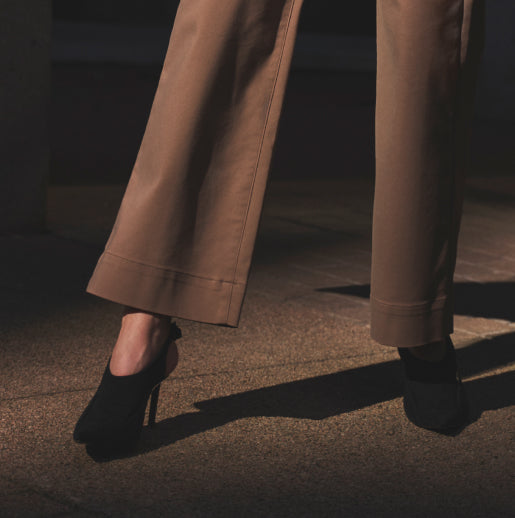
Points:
(296, 412)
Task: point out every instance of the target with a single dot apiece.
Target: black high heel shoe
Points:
(434, 396)
(113, 419)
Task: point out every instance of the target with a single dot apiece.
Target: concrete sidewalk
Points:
(295, 413)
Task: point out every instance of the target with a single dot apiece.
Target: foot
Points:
(142, 335)
(434, 396)
(114, 416)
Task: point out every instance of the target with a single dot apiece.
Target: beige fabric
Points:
(428, 53)
(184, 236)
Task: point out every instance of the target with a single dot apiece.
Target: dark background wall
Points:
(322, 105)
(317, 15)
(92, 94)
(24, 92)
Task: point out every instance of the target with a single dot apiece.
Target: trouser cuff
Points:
(410, 325)
(167, 292)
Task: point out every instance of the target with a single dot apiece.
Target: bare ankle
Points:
(141, 336)
(132, 312)
(141, 320)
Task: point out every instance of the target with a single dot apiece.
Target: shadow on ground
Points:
(329, 395)
(475, 299)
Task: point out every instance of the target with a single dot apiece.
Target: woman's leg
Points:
(184, 235)
(428, 55)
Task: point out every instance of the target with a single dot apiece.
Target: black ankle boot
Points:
(113, 419)
(434, 396)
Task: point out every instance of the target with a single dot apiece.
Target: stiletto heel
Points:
(153, 406)
(113, 419)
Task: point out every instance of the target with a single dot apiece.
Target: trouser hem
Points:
(166, 291)
(410, 325)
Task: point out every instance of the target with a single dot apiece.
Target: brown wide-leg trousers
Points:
(184, 236)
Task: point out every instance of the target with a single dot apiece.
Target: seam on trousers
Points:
(279, 61)
(168, 270)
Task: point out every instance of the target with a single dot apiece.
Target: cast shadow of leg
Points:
(337, 393)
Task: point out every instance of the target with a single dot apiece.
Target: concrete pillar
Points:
(496, 86)
(24, 97)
